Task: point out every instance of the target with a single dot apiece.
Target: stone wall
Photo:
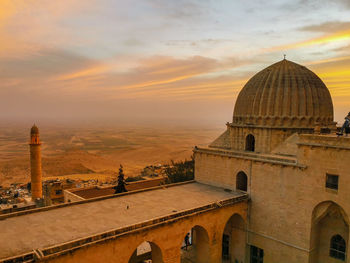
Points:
(71, 197)
(97, 191)
(168, 236)
(284, 197)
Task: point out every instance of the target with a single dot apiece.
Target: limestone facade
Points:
(297, 179)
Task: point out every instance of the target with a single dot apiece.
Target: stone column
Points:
(35, 164)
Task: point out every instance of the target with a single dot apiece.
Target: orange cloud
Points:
(336, 75)
(336, 59)
(160, 77)
(198, 89)
(9, 8)
(345, 35)
(88, 72)
(27, 26)
(338, 36)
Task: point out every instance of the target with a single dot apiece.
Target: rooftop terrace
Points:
(44, 230)
(326, 141)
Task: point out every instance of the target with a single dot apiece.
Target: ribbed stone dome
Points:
(284, 94)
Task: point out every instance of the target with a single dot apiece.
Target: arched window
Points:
(241, 181)
(250, 143)
(338, 247)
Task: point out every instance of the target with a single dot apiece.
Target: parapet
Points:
(325, 141)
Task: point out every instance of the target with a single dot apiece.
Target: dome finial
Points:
(284, 56)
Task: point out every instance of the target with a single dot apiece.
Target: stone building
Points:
(297, 176)
(272, 188)
(53, 190)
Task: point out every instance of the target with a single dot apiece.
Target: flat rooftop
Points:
(39, 230)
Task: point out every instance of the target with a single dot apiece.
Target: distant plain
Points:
(96, 152)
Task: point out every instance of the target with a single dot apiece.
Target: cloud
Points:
(321, 3)
(339, 59)
(336, 75)
(152, 52)
(42, 65)
(223, 87)
(181, 9)
(59, 84)
(156, 70)
(27, 26)
(328, 27)
(71, 74)
(343, 49)
(325, 39)
(200, 42)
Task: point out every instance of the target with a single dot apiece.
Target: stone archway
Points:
(329, 233)
(198, 249)
(234, 240)
(147, 252)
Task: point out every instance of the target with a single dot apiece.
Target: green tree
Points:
(180, 171)
(120, 188)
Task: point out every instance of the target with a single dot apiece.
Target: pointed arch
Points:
(197, 250)
(234, 239)
(147, 251)
(329, 223)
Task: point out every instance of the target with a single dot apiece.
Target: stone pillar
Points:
(215, 252)
(172, 255)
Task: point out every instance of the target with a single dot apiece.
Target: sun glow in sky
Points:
(160, 60)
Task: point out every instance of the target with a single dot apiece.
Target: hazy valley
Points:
(88, 153)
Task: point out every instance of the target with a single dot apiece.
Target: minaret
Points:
(35, 163)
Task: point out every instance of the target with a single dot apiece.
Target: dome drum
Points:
(283, 121)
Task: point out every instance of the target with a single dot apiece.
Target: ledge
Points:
(310, 129)
(331, 141)
(324, 146)
(253, 157)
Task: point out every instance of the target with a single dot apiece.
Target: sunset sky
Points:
(160, 61)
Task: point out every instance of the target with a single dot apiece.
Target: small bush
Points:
(180, 171)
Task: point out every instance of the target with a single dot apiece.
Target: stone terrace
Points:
(50, 227)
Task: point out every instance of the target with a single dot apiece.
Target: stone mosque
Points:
(272, 188)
